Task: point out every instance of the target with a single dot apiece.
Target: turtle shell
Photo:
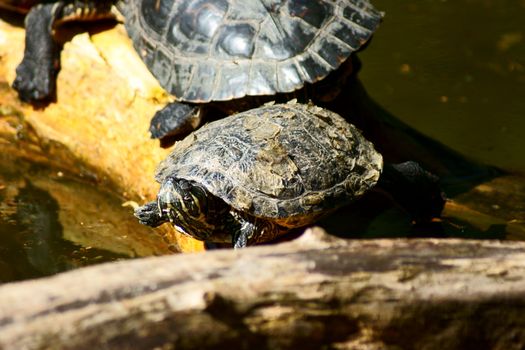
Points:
(204, 50)
(290, 163)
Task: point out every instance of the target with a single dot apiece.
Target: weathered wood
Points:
(313, 292)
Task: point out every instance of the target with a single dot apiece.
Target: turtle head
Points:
(188, 206)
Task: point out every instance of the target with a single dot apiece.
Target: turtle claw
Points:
(34, 82)
(36, 74)
(149, 215)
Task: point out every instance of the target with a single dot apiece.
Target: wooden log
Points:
(315, 292)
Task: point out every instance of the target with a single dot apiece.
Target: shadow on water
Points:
(32, 243)
(52, 222)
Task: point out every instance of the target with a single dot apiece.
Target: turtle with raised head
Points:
(228, 55)
(255, 175)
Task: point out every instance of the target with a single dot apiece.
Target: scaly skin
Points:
(36, 75)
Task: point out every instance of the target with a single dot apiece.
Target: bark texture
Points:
(315, 292)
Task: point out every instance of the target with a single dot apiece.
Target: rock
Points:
(98, 128)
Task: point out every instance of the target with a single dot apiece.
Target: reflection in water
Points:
(37, 217)
(51, 223)
(31, 242)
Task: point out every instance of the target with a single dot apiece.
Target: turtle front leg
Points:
(247, 230)
(149, 215)
(175, 120)
(243, 233)
(36, 75)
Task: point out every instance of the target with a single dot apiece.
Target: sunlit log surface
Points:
(313, 292)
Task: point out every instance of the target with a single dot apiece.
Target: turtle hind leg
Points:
(414, 189)
(175, 120)
(150, 215)
(36, 74)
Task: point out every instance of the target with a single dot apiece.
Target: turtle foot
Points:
(149, 215)
(175, 120)
(415, 189)
(36, 75)
(36, 82)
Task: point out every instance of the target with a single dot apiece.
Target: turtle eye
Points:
(185, 186)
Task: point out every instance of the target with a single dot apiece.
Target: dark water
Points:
(454, 70)
(31, 234)
(51, 222)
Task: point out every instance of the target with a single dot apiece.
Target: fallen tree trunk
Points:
(313, 292)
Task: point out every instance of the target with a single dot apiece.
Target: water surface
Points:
(454, 70)
(51, 222)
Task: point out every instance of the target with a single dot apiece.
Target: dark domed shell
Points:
(290, 162)
(204, 50)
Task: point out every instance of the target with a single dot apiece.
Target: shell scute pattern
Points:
(291, 162)
(156, 13)
(194, 25)
(315, 13)
(224, 49)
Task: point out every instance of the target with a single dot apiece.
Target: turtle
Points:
(253, 176)
(216, 57)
